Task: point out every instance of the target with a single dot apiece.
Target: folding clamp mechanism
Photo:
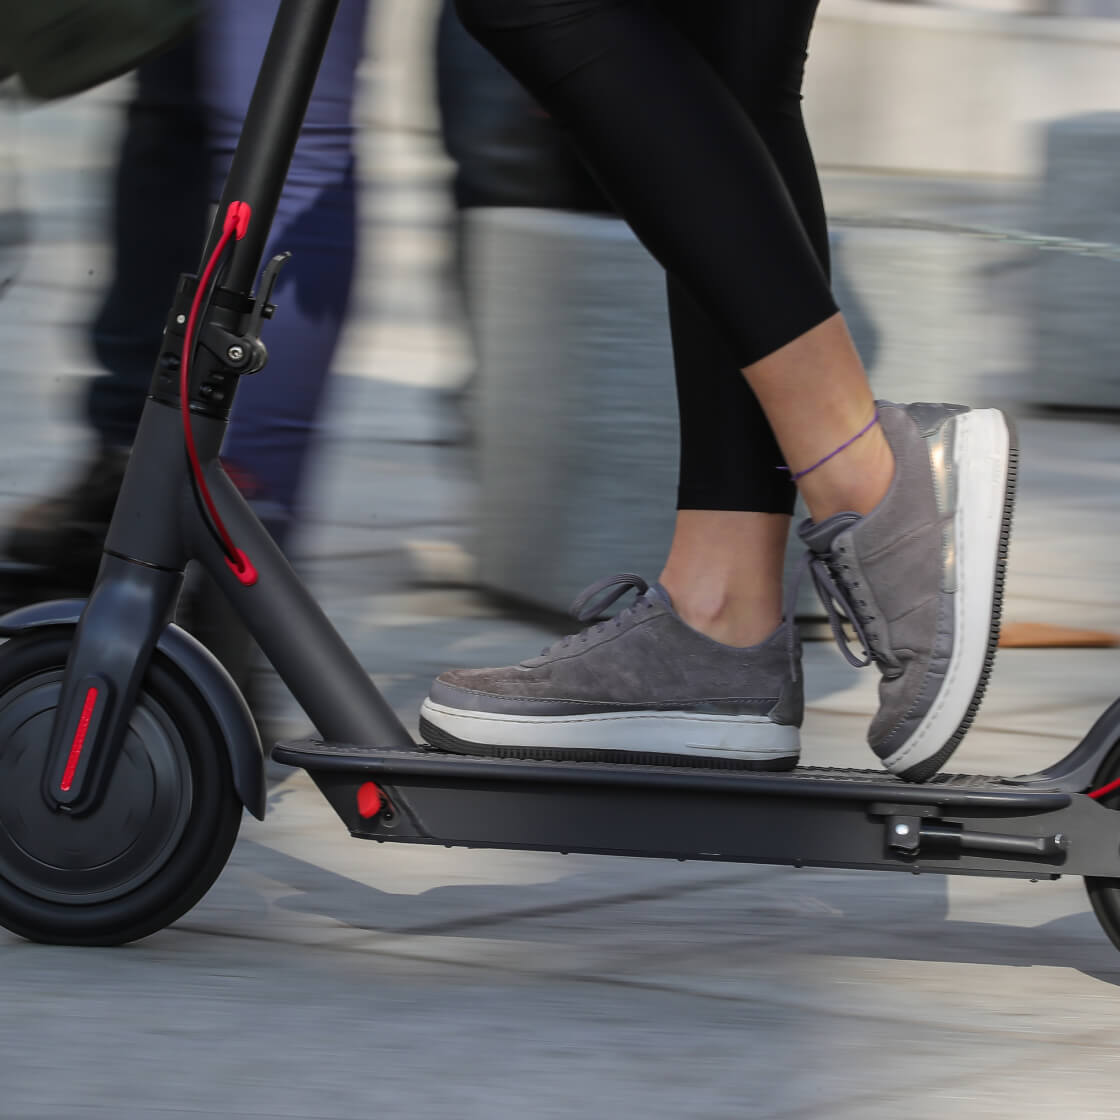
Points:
(910, 828)
(903, 823)
(244, 351)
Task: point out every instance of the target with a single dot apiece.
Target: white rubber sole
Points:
(982, 458)
(685, 734)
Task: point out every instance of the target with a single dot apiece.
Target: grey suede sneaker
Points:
(920, 578)
(642, 687)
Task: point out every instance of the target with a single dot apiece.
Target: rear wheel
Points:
(153, 846)
(1104, 893)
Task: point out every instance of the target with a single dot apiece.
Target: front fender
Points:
(202, 669)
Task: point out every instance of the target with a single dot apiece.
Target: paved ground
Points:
(323, 978)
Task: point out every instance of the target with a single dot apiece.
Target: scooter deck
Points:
(814, 817)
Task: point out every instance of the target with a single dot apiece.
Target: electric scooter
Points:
(127, 754)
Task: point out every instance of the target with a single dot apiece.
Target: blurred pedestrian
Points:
(62, 47)
(159, 215)
(13, 221)
(506, 150)
(689, 116)
(182, 127)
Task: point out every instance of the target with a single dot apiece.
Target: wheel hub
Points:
(116, 846)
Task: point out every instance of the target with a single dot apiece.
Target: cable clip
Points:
(237, 219)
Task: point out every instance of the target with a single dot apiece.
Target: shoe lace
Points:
(839, 592)
(590, 603)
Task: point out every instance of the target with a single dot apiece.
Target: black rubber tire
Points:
(1104, 893)
(141, 859)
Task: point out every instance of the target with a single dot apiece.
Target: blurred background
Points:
(969, 153)
(466, 482)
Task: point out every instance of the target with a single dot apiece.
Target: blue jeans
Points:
(182, 129)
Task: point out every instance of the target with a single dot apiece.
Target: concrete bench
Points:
(1077, 342)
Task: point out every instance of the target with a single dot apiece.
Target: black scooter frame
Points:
(384, 786)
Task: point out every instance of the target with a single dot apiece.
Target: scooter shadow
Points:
(704, 908)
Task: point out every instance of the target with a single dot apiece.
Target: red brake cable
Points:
(236, 223)
(1097, 794)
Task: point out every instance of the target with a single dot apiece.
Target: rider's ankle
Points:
(724, 617)
(856, 480)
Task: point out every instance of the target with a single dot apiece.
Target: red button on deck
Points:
(370, 800)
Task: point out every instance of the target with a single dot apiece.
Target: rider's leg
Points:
(684, 164)
(733, 500)
(720, 653)
(712, 589)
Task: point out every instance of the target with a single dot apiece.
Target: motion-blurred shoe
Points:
(65, 533)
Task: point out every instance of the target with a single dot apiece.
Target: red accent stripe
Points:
(1104, 790)
(79, 740)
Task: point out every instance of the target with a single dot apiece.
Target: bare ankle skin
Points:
(724, 573)
(724, 570)
(815, 394)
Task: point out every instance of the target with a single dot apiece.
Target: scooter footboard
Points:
(809, 817)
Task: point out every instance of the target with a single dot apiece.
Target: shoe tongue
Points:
(659, 595)
(819, 535)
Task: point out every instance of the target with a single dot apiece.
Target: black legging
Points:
(689, 114)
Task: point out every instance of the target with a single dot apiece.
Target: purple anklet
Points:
(820, 462)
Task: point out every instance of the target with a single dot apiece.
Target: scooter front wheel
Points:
(156, 841)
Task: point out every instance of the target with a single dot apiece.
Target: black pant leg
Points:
(729, 456)
(160, 208)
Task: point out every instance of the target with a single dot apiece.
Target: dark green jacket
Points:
(60, 47)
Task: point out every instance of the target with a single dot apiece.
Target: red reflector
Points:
(79, 740)
(370, 801)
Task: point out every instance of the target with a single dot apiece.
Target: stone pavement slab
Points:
(322, 977)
